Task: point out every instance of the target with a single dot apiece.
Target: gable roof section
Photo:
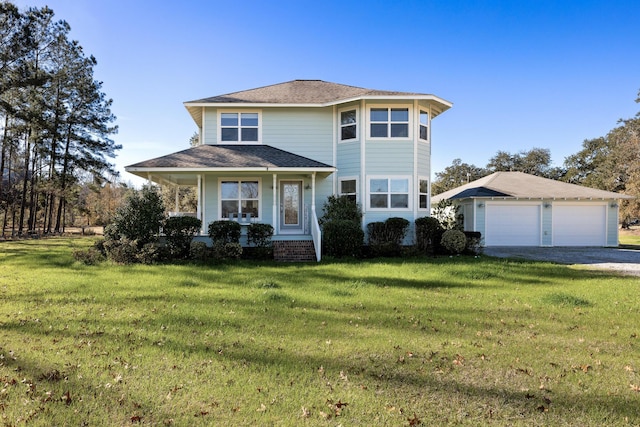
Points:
(307, 93)
(230, 158)
(519, 185)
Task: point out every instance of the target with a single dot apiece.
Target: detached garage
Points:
(518, 209)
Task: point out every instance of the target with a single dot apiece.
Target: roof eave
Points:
(139, 170)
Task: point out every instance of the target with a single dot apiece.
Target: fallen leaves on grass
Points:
(414, 421)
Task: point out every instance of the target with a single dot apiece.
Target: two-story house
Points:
(274, 154)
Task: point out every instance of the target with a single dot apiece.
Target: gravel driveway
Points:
(625, 261)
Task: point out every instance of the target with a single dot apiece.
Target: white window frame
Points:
(420, 125)
(349, 178)
(423, 178)
(239, 127)
(409, 121)
(340, 125)
(240, 180)
(409, 193)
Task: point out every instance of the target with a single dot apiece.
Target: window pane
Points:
(424, 186)
(379, 186)
(379, 114)
(399, 185)
(348, 186)
(399, 200)
(250, 189)
(250, 206)
(229, 190)
(348, 132)
(423, 201)
(352, 197)
(423, 133)
(378, 200)
(399, 131)
(229, 134)
(249, 119)
(250, 134)
(348, 117)
(399, 114)
(229, 119)
(424, 118)
(228, 207)
(379, 131)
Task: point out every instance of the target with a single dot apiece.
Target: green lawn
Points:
(446, 341)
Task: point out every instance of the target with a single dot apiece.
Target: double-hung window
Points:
(348, 125)
(424, 125)
(389, 122)
(239, 127)
(349, 188)
(423, 192)
(389, 193)
(239, 198)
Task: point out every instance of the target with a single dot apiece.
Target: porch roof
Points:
(229, 158)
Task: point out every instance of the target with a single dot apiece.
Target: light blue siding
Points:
(348, 158)
(547, 223)
(612, 224)
(424, 159)
(480, 216)
(210, 126)
(389, 158)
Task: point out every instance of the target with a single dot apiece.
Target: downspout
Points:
(335, 152)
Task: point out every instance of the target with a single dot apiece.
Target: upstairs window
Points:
(389, 122)
(389, 193)
(239, 127)
(424, 125)
(348, 125)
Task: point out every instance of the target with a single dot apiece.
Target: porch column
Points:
(149, 180)
(177, 209)
(199, 204)
(313, 191)
(274, 218)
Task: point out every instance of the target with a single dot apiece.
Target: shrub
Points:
(260, 234)
(198, 251)
(385, 238)
(122, 251)
(225, 231)
(342, 237)
(449, 215)
(474, 242)
(341, 208)
(180, 231)
(454, 241)
(139, 219)
(150, 253)
(428, 234)
(91, 256)
(223, 250)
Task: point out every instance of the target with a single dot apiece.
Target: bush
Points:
(91, 256)
(428, 234)
(139, 219)
(260, 234)
(342, 237)
(180, 231)
(122, 251)
(449, 215)
(474, 242)
(225, 231)
(454, 241)
(150, 253)
(223, 250)
(341, 208)
(385, 238)
(198, 251)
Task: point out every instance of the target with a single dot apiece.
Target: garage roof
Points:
(519, 185)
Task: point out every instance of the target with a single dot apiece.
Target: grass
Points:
(446, 341)
(630, 239)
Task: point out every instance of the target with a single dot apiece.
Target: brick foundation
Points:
(294, 251)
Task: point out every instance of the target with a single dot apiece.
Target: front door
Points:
(291, 206)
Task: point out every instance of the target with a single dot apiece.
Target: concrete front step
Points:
(294, 250)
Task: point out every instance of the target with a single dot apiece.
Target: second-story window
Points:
(424, 125)
(389, 122)
(239, 127)
(348, 125)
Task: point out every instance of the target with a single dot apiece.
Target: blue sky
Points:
(521, 74)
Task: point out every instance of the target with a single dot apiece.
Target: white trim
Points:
(239, 180)
(340, 126)
(368, 193)
(389, 107)
(238, 169)
(363, 162)
(238, 110)
(334, 145)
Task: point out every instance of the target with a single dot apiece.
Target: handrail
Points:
(316, 234)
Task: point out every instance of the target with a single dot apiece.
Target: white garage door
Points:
(514, 224)
(579, 225)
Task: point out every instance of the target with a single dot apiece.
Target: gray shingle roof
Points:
(519, 185)
(300, 92)
(230, 157)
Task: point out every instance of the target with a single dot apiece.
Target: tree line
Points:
(610, 162)
(55, 123)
